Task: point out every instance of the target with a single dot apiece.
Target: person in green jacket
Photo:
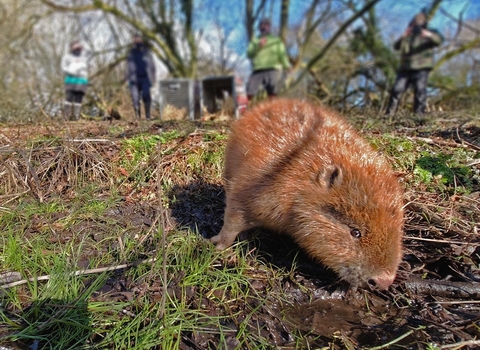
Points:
(269, 56)
(416, 61)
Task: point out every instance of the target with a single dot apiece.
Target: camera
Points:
(417, 30)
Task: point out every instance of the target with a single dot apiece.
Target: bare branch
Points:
(332, 40)
(63, 8)
(459, 50)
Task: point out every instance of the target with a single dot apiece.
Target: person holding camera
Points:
(416, 61)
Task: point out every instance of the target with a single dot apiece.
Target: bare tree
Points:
(343, 27)
(338, 46)
(17, 20)
(168, 28)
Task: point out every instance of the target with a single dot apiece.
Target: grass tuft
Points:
(72, 205)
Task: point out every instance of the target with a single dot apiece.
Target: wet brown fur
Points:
(300, 169)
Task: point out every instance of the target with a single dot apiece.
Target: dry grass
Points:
(170, 112)
(85, 195)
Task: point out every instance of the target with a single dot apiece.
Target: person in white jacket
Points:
(74, 66)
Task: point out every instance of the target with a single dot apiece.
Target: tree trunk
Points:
(284, 19)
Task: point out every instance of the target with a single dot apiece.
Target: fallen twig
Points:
(436, 142)
(79, 273)
(456, 302)
(441, 241)
(396, 340)
(473, 162)
(9, 277)
(444, 288)
(460, 344)
(12, 197)
(89, 140)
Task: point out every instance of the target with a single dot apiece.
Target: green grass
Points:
(445, 171)
(434, 169)
(56, 237)
(57, 314)
(93, 215)
(60, 313)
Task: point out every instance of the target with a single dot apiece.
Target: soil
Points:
(434, 301)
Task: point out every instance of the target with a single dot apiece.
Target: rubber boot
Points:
(67, 110)
(147, 109)
(392, 106)
(76, 110)
(137, 112)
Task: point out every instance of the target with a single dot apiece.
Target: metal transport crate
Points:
(177, 95)
(217, 93)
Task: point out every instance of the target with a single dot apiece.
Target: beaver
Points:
(298, 168)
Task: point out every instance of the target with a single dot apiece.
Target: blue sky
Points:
(393, 16)
(397, 13)
(405, 8)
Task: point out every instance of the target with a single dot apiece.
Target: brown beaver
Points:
(298, 168)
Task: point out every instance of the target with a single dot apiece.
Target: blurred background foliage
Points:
(341, 50)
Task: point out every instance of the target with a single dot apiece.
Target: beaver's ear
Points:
(330, 176)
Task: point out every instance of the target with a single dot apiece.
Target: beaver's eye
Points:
(355, 232)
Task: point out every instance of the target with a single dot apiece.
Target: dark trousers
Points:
(417, 78)
(268, 78)
(74, 96)
(141, 88)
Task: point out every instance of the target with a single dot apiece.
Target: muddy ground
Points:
(434, 303)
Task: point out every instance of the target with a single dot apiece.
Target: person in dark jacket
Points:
(416, 61)
(140, 75)
(74, 65)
